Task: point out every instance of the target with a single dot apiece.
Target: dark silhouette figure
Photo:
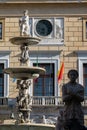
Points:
(73, 95)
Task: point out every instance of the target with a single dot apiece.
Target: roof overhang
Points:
(43, 1)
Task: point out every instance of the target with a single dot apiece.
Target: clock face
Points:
(43, 27)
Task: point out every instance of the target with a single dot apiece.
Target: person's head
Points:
(72, 75)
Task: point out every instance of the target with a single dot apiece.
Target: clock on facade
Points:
(43, 28)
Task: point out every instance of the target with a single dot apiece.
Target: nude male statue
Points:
(24, 24)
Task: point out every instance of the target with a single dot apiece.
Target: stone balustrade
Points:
(47, 100)
(39, 101)
(51, 100)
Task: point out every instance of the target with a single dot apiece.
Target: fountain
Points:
(25, 72)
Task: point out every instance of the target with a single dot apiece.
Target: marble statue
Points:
(23, 100)
(73, 95)
(24, 32)
(24, 24)
(24, 58)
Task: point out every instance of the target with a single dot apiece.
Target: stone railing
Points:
(46, 100)
(3, 101)
(85, 102)
(51, 100)
(39, 101)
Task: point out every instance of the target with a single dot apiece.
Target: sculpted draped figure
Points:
(24, 24)
(23, 100)
(73, 95)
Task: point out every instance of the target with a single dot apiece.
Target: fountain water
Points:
(25, 72)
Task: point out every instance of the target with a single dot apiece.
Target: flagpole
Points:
(50, 69)
(60, 74)
(37, 57)
(63, 72)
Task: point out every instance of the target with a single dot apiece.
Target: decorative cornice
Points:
(43, 1)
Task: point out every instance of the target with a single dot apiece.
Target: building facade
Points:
(62, 27)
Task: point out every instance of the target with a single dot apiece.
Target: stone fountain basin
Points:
(28, 126)
(26, 40)
(25, 72)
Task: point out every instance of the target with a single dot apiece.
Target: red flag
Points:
(61, 71)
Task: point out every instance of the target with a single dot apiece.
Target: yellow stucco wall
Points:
(73, 32)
